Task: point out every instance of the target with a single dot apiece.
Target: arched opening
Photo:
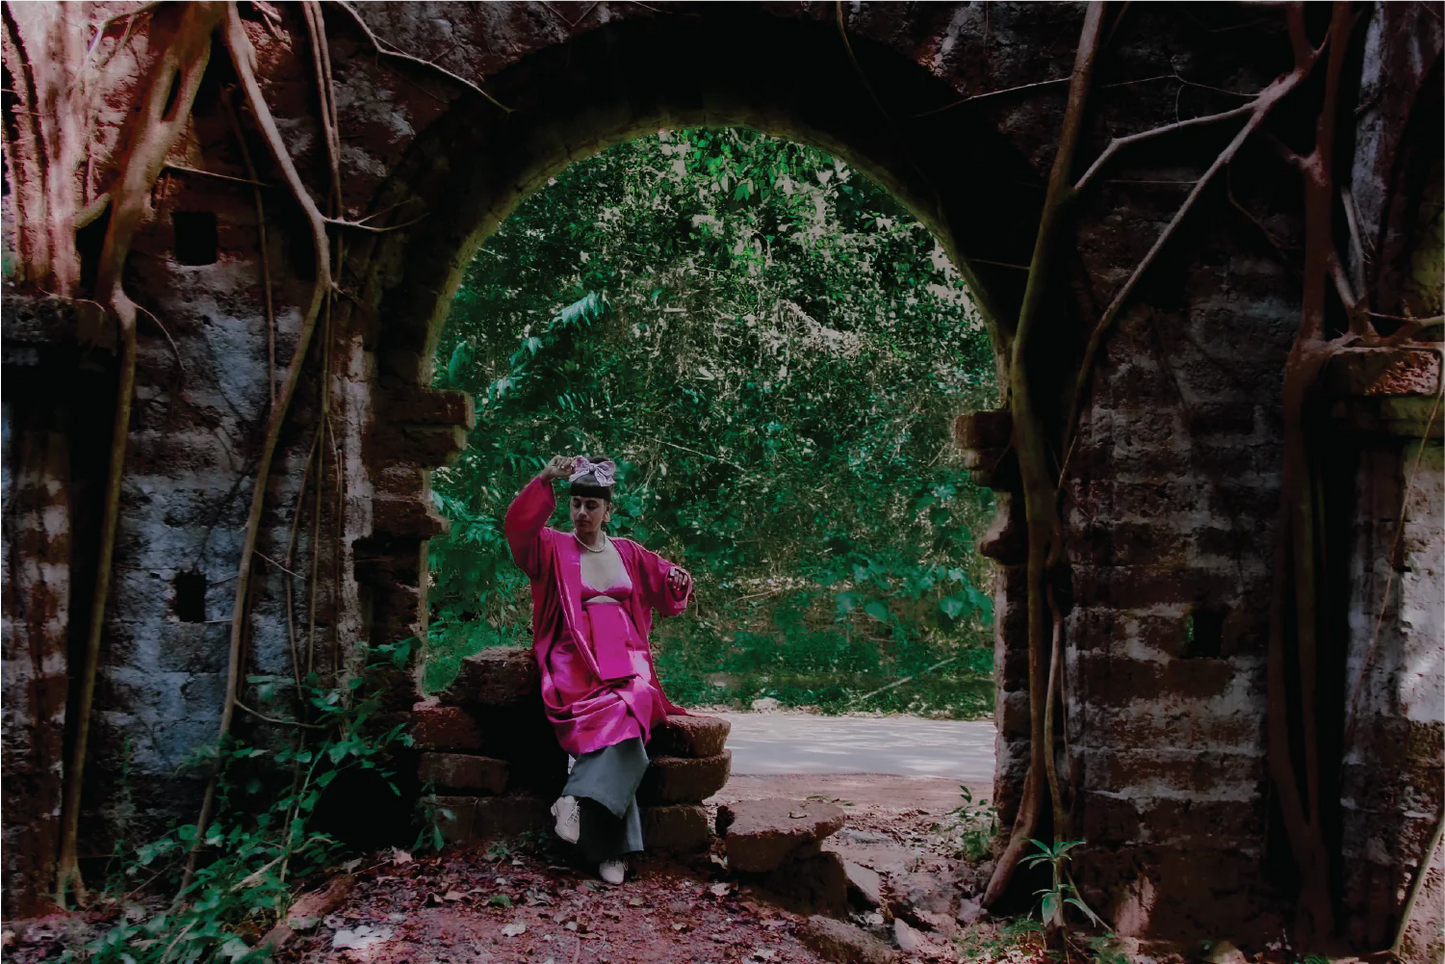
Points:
(775, 353)
(475, 165)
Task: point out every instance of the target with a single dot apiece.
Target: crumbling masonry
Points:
(1171, 493)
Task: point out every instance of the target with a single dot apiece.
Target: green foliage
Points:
(976, 825)
(773, 351)
(1061, 893)
(261, 839)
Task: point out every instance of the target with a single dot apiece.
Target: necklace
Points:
(589, 548)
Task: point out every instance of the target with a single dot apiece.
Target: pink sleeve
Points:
(526, 517)
(657, 590)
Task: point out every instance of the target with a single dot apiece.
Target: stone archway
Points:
(1174, 483)
(476, 163)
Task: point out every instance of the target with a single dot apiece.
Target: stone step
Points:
(470, 819)
(482, 775)
(497, 676)
(759, 835)
(675, 779)
(679, 828)
(689, 736)
(435, 726)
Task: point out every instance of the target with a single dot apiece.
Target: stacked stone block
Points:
(689, 764)
(779, 844)
(488, 753)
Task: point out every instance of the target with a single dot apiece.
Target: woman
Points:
(592, 603)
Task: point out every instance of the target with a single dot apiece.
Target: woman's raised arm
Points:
(528, 515)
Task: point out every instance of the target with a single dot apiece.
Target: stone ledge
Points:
(407, 519)
(673, 779)
(463, 771)
(1383, 371)
(679, 828)
(761, 834)
(438, 727)
(689, 736)
(471, 819)
(497, 676)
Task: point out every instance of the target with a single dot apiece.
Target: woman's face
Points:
(588, 514)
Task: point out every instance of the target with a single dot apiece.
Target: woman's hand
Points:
(559, 467)
(679, 581)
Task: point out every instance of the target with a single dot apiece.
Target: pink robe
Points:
(587, 711)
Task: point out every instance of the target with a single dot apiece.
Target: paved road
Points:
(801, 743)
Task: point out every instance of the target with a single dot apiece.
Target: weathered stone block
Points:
(511, 816)
(431, 406)
(673, 779)
(680, 828)
(407, 519)
(497, 676)
(816, 884)
(761, 834)
(438, 727)
(689, 736)
(865, 887)
(843, 943)
(463, 771)
(455, 817)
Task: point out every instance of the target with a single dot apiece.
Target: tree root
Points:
(243, 57)
(164, 113)
(1031, 444)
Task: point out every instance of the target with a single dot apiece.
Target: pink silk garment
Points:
(588, 710)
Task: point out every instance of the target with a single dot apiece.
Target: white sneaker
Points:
(612, 871)
(569, 818)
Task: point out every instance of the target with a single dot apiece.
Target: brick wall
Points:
(1173, 487)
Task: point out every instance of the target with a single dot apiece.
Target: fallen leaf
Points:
(761, 954)
(679, 927)
(453, 895)
(350, 865)
(571, 925)
(400, 857)
(720, 890)
(499, 900)
(360, 938)
(514, 928)
(635, 901)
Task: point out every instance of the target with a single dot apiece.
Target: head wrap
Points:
(603, 473)
(592, 480)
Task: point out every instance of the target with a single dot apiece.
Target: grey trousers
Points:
(605, 784)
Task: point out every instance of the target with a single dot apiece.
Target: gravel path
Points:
(804, 743)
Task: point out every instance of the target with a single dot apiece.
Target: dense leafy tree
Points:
(773, 350)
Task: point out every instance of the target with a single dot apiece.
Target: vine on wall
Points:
(54, 161)
(54, 168)
(1298, 620)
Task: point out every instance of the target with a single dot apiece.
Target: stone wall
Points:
(1173, 485)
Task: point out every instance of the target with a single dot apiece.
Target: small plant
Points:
(261, 838)
(1005, 942)
(977, 824)
(1102, 951)
(1054, 899)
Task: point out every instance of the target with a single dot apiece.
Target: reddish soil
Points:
(475, 907)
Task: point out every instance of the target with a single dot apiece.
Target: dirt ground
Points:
(532, 904)
(529, 902)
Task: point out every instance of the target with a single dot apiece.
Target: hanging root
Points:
(1031, 444)
(175, 77)
(243, 57)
